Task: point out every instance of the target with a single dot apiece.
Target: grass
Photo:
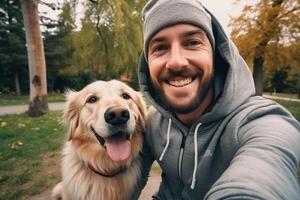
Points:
(287, 95)
(293, 107)
(29, 153)
(9, 100)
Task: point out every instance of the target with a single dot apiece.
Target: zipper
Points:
(181, 155)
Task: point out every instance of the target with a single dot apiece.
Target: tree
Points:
(36, 59)
(262, 23)
(279, 79)
(293, 53)
(110, 39)
(282, 62)
(59, 46)
(12, 48)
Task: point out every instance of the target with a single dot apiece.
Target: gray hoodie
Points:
(243, 147)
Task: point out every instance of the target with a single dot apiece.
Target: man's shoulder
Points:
(259, 114)
(258, 107)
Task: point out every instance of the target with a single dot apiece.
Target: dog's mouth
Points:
(117, 146)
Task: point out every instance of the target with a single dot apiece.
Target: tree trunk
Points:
(36, 59)
(258, 63)
(298, 86)
(259, 52)
(17, 84)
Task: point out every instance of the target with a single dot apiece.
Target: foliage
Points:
(278, 80)
(254, 25)
(264, 24)
(59, 47)
(106, 44)
(110, 39)
(12, 49)
(284, 61)
(28, 153)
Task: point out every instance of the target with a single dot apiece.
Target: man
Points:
(212, 137)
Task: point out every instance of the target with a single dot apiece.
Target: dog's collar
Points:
(99, 138)
(106, 173)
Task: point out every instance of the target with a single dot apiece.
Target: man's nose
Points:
(177, 59)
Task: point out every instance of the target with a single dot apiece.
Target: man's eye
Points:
(159, 48)
(192, 42)
(92, 99)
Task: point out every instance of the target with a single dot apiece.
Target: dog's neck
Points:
(106, 173)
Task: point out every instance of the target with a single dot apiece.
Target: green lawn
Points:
(29, 154)
(8, 100)
(292, 106)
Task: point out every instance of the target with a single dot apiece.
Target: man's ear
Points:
(71, 112)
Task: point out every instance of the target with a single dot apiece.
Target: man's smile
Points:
(180, 83)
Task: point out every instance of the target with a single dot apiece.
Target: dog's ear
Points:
(139, 100)
(71, 112)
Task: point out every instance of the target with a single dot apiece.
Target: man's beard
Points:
(202, 92)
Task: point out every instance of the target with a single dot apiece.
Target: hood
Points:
(233, 82)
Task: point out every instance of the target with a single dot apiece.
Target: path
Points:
(281, 98)
(5, 110)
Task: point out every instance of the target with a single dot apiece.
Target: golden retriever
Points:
(105, 122)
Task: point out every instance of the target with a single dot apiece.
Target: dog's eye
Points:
(92, 99)
(126, 96)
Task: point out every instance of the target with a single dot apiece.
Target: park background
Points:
(75, 42)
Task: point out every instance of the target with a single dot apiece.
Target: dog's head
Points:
(109, 114)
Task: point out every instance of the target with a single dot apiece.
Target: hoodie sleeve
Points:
(265, 165)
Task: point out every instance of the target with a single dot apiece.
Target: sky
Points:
(222, 9)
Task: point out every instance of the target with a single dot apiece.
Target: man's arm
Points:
(265, 165)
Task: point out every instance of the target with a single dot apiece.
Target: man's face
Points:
(180, 62)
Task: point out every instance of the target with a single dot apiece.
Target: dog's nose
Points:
(116, 115)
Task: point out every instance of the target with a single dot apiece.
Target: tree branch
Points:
(288, 12)
(51, 5)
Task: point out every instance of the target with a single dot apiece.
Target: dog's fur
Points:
(82, 114)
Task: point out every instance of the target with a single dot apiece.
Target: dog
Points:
(100, 159)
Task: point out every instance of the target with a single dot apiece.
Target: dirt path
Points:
(6, 110)
(151, 187)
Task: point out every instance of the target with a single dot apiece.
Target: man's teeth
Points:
(180, 83)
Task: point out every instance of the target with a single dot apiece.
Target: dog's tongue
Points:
(118, 149)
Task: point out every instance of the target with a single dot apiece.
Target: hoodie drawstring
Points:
(195, 156)
(195, 149)
(168, 141)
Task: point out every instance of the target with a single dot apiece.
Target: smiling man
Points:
(212, 137)
(181, 60)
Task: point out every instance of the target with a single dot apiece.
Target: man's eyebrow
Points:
(193, 32)
(156, 39)
(185, 34)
